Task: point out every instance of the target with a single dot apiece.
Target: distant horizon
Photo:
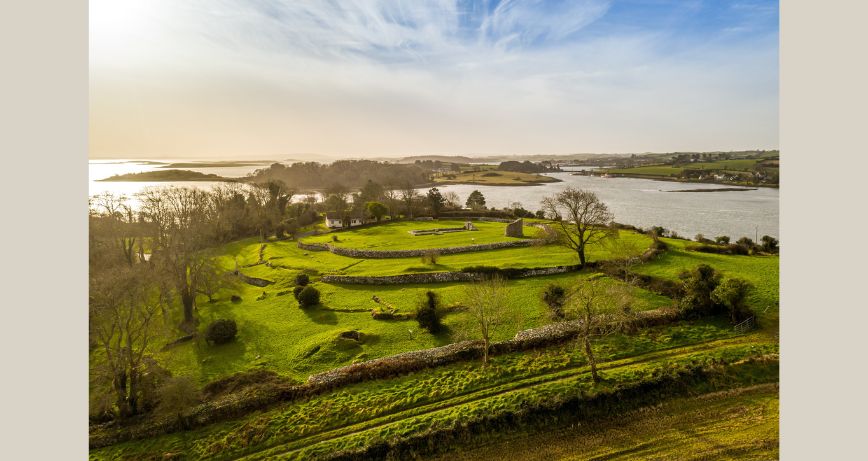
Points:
(316, 156)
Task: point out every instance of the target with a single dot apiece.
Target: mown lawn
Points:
(285, 255)
(396, 236)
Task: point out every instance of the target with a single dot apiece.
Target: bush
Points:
(308, 297)
(722, 239)
(698, 285)
(297, 290)
(746, 244)
(731, 294)
(235, 299)
(554, 296)
(769, 244)
(221, 331)
(428, 315)
(302, 280)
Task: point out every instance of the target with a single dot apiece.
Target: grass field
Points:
(275, 334)
(396, 407)
(738, 165)
(741, 424)
(397, 235)
(761, 271)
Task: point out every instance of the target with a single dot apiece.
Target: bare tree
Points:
(124, 303)
(582, 218)
(408, 196)
(453, 201)
(486, 301)
(600, 310)
(116, 218)
(179, 220)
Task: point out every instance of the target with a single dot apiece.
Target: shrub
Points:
(746, 244)
(302, 280)
(701, 239)
(698, 285)
(427, 314)
(297, 290)
(722, 239)
(221, 331)
(430, 257)
(731, 294)
(235, 299)
(308, 297)
(554, 296)
(769, 244)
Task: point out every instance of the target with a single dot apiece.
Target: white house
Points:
(334, 221)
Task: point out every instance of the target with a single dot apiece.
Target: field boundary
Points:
(388, 254)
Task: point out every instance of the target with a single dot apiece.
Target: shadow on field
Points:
(219, 359)
(444, 336)
(318, 315)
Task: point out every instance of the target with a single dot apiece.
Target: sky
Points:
(376, 78)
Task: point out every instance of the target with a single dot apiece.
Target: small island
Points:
(168, 175)
(496, 178)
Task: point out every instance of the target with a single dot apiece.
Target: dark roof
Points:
(336, 215)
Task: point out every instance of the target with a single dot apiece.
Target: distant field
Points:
(397, 236)
(739, 165)
(731, 425)
(496, 178)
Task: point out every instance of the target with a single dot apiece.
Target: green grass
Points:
(737, 165)
(441, 395)
(396, 236)
(761, 271)
(276, 334)
(285, 255)
(741, 424)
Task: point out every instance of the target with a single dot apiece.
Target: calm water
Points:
(640, 202)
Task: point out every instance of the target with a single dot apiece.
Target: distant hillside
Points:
(167, 175)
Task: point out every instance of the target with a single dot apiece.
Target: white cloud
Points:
(390, 77)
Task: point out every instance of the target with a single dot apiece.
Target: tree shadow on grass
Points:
(219, 359)
(318, 315)
(445, 336)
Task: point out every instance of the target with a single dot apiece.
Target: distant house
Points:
(335, 220)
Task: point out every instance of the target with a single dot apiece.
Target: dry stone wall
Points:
(441, 277)
(384, 254)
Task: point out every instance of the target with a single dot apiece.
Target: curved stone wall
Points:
(440, 277)
(383, 254)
